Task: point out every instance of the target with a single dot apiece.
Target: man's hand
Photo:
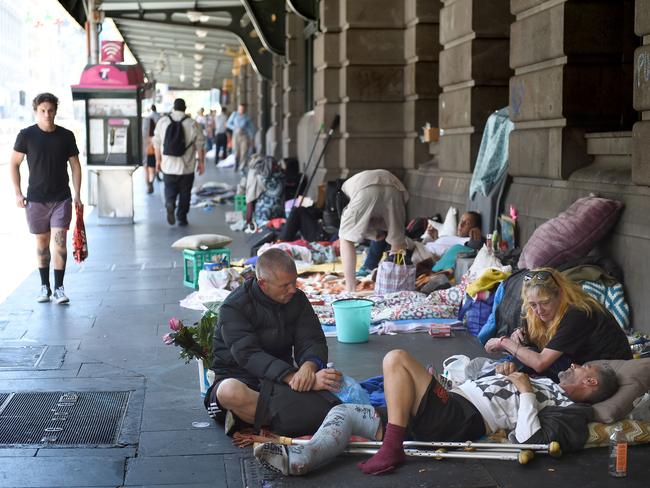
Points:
(475, 234)
(506, 368)
(304, 378)
(521, 382)
(433, 232)
(77, 201)
(21, 201)
(328, 379)
(201, 168)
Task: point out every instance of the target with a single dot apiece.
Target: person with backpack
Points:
(178, 142)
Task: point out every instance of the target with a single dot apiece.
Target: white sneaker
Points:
(44, 295)
(59, 296)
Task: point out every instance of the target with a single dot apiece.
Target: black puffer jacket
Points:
(255, 336)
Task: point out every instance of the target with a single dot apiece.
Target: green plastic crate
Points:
(194, 259)
(240, 202)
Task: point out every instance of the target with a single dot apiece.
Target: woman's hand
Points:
(493, 345)
(518, 336)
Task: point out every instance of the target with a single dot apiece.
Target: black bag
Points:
(335, 202)
(174, 143)
(292, 413)
(257, 240)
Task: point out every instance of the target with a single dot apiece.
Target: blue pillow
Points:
(448, 259)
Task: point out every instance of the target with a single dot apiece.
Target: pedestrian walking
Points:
(49, 149)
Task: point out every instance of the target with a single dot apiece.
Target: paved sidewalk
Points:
(109, 339)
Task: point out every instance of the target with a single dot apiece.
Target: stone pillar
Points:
(327, 95)
(572, 64)
(474, 75)
(251, 94)
(274, 133)
(421, 89)
(242, 84)
(371, 85)
(641, 132)
(293, 99)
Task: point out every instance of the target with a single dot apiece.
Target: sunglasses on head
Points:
(538, 275)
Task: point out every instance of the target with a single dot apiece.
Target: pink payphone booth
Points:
(113, 96)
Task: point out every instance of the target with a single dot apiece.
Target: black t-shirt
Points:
(47, 159)
(585, 338)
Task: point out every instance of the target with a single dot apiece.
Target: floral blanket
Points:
(402, 305)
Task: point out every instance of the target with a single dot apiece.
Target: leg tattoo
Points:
(61, 255)
(43, 257)
(60, 238)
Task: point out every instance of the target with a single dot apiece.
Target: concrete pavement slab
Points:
(44, 472)
(208, 469)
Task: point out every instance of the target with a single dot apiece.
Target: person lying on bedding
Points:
(418, 404)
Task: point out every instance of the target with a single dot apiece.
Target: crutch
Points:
(333, 127)
(304, 172)
(522, 457)
(553, 449)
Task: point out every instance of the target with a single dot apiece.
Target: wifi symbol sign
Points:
(112, 51)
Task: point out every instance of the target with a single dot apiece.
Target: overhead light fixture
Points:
(198, 57)
(197, 73)
(199, 46)
(160, 64)
(201, 33)
(181, 77)
(195, 16)
(198, 65)
(196, 85)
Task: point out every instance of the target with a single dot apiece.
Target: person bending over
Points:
(377, 204)
(415, 400)
(563, 324)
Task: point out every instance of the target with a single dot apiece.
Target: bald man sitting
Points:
(270, 354)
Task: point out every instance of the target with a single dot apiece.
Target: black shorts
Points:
(151, 161)
(446, 416)
(215, 410)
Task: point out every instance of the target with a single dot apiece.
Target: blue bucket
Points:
(352, 318)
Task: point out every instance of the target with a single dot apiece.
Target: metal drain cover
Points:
(21, 356)
(256, 475)
(62, 418)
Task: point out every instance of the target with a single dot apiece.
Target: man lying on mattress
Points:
(530, 410)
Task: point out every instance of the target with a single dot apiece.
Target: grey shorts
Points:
(41, 217)
(375, 209)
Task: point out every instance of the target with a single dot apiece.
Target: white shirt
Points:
(220, 123)
(503, 407)
(442, 244)
(194, 138)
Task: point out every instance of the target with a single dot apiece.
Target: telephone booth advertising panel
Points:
(113, 96)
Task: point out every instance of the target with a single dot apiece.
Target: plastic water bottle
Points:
(351, 391)
(618, 453)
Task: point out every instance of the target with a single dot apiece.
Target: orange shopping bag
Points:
(79, 242)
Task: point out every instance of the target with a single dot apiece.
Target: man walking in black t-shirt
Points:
(48, 205)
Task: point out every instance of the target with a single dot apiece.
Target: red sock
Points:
(390, 455)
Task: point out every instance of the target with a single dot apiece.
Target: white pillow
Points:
(450, 225)
(201, 241)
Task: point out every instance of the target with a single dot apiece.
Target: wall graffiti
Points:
(517, 92)
(642, 72)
